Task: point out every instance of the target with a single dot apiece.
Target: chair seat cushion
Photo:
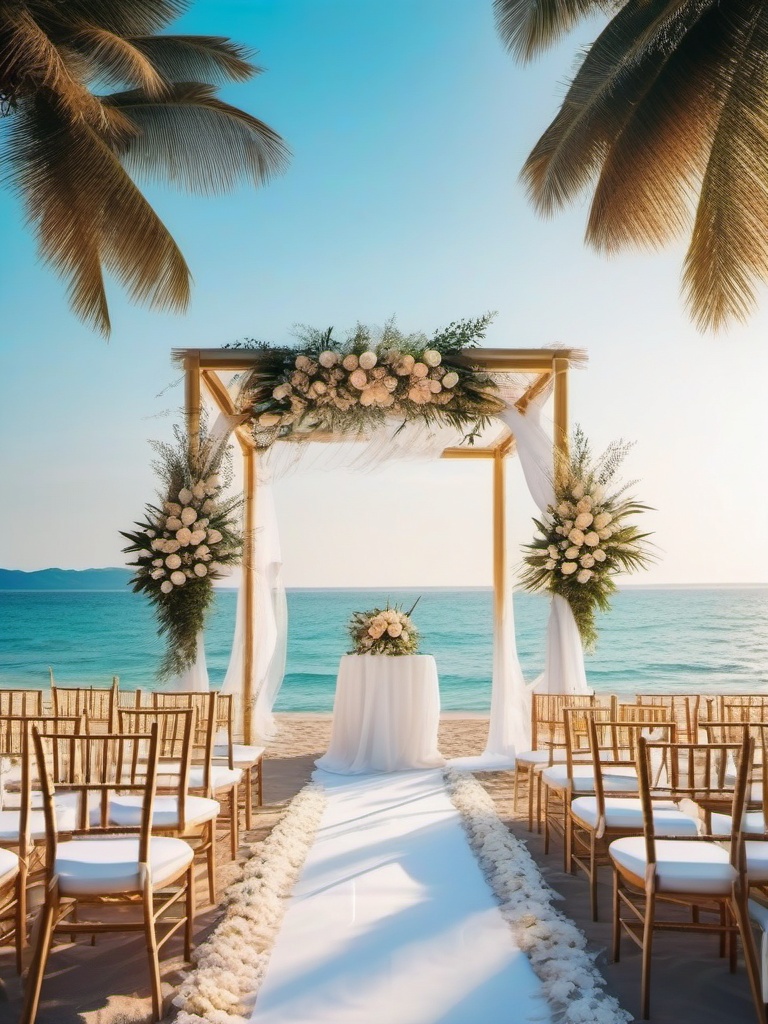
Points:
(543, 757)
(616, 778)
(9, 867)
(110, 864)
(126, 810)
(65, 804)
(221, 776)
(243, 756)
(753, 823)
(627, 812)
(684, 867)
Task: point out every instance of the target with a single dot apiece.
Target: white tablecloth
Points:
(385, 715)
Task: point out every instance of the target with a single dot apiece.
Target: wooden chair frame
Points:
(98, 704)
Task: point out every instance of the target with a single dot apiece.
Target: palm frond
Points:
(194, 140)
(116, 61)
(197, 58)
(527, 27)
(136, 17)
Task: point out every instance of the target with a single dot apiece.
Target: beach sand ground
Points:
(107, 983)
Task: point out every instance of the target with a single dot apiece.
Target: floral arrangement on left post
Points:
(184, 543)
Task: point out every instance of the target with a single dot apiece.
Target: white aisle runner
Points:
(392, 922)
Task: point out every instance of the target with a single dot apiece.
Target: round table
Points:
(385, 715)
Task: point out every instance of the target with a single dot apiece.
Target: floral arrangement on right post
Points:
(587, 537)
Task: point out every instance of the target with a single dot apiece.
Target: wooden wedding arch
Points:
(204, 367)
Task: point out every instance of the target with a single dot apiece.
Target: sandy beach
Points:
(107, 983)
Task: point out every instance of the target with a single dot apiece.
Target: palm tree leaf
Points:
(197, 58)
(729, 244)
(89, 214)
(123, 17)
(195, 140)
(529, 26)
(615, 74)
(116, 61)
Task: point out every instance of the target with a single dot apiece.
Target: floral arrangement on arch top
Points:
(587, 538)
(186, 542)
(355, 385)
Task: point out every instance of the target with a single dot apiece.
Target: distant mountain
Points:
(64, 579)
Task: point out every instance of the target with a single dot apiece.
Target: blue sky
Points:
(408, 125)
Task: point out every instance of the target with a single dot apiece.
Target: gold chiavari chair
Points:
(97, 703)
(245, 757)
(598, 819)
(21, 702)
(704, 872)
(683, 708)
(175, 811)
(91, 866)
(547, 744)
(215, 781)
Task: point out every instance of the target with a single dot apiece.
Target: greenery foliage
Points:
(587, 538)
(354, 385)
(185, 542)
(384, 631)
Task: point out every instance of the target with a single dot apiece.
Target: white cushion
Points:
(126, 810)
(243, 755)
(757, 861)
(540, 756)
(109, 864)
(66, 805)
(616, 778)
(684, 867)
(627, 812)
(753, 823)
(221, 777)
(9, 867)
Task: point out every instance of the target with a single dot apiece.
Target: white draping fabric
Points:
(385, 715)
(564, 668)
(270, 618)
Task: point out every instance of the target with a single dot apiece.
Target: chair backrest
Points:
(97, 703)
(175, 729)
(615, 743)
(94, 767)
(576, 727)
(225, 724)
(684, 711)
(547, 726)
(204, 734)
(21, 702)
(643, 713)
(744, 710)
(714, 776)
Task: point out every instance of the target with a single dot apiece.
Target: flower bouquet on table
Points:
(384, 631)
(587, 537)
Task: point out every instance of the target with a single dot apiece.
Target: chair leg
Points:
(234, 811)
(645, 984)
(260, 782)
(534, 778)
(616, 935)
(21, 917)
(593, 875)
(546, 819)
(516, 789)
(567, 835)
(211, 860)
(42, 947)
(539, 785)
(190, 922)
(150, 937)
(248, 790)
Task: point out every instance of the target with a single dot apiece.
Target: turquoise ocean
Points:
(656, 639)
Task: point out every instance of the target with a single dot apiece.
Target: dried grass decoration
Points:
(384, 631)
(185, 543)
(356, 385)
(587, 538)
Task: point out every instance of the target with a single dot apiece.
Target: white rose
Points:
(151, 533)
(585, 575)
(166, 586)
(350, 362)
(201, 569)
(269, 419)
(550, 564)
(214, 536)
(404, 635)
(157, 561)
(170, 546)
(599, 555)
(178, 579)
(207, 506)
(565, 509)
(328, 359)
(576, 537)
(303, 363)
(185, 495)
(587, 561)
(375, 631)
(605, 534)
(553, 552)
(173, 561)
(583, 520)
(157, 574)
(420, 370)
(584, 504)
(578, 491)
(188, 516)
(358, 379)
(367, 397)
(197, 537)
(172, 508)
(572, 552)
(203, 551)
(199, 491)
(568, 567)
(394, 629)
(367, 360)
(592, 539)
(431, 357)
(184, 536)
(157, 545)
(281, 391)
(602, 519)
(173, 523)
